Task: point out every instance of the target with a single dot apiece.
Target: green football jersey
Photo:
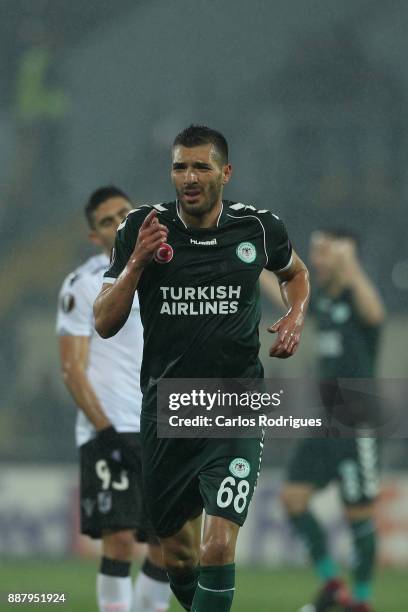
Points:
(347, 346)
(199, 303)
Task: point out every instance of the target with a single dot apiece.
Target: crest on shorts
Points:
(88, 506)
(104, 501)
(239, 467)
(246, 251)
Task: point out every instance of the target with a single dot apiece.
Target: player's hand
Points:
(113, 447)
(288, 329)
(151, 235)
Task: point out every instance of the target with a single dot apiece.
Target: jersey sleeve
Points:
(125, 242)
(75, 315)
(278, 248)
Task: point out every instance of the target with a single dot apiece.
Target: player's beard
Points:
(212, 195)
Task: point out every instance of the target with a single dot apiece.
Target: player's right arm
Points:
(74, 352)
(114, 302)
(74, 329)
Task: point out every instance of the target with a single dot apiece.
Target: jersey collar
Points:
(220, 220)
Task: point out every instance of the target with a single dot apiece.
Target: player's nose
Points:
(190, 176)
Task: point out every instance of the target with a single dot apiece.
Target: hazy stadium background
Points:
(313, 99)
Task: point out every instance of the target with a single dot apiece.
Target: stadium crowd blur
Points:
(313, 103)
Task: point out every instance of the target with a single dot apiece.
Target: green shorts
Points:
(181, 477)
(352, 462)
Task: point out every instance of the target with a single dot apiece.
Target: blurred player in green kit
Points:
(349, 314)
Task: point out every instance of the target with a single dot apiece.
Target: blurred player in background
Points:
(349, 314)
(218, 249)
(103, 379)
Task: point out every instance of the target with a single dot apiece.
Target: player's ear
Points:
(226, 173)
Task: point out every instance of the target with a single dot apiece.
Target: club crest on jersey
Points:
(246, 251)
(239, 467)
(164, 254)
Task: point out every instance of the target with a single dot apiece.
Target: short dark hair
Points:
(98, 197)
(196, 135)
(342, 233)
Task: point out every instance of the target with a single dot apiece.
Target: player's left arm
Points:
(295, 292)
(272, 289)
(366, 298)
(293, 279)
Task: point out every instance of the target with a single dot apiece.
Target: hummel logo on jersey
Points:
(205, 242)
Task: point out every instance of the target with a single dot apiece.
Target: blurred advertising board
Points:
(39, 517)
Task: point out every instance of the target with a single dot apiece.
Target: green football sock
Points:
(364, 540)
(184, 586)
(215, 590)
(314, 537)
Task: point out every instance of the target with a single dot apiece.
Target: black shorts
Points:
(353, 462)
(111, 501)
(181, 477)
